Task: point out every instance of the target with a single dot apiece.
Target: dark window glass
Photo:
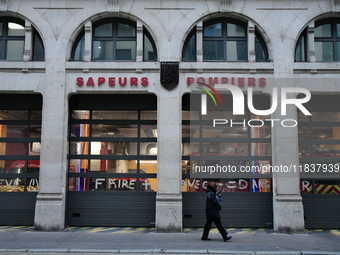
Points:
(225, 147)
(261, 51)
(189, 49)
(12, 39)
(319, 144)
(301, 48)
(224, 40)
(38, 47)
(78, 54)
(149, 47)
(113, 149)
(114, 39)
(213, 30)
(327, 40)
(20, 133)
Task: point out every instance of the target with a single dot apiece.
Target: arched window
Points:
(224, 39)
(327, 40)
(115, 39)
(261, 51)
(301, 47)
(78, 49)
(12, 41)
(149, 47)
(189, 49)
(38, 53)
(326, 36)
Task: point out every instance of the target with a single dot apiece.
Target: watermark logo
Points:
(238, 99)
(239, 104)
(204, 97)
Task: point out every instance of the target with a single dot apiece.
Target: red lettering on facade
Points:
(238, 81)
(134, 81)
(251, 81)
(241, 81)
(80, 81)
(101, 80)
(213, 81)
(190, 80)
(145, 81)
(201, 80)
(90, 82)
(112, 81)
(122, 83)
(224, 80)
(262, 82)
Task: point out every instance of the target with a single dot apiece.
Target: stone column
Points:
(287, 201)
(50, 205)
(169, 175)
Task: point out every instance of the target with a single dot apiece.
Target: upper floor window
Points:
(224, 40)
(301, 47)
(12, 41)
(115, 40)
(12, 34)
(38, 52)
(326, 38)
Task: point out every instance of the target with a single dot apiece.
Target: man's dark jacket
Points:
(211, 205)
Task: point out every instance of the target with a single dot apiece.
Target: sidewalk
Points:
(77, 240)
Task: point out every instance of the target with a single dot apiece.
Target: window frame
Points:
(335, 38)
(153, 44)
(194, 33)
(224, 38)
(259, 37)
(5, 37)
(36, 35)
(138, 121)
(114, 38)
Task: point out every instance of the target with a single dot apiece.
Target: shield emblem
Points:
(169, 74)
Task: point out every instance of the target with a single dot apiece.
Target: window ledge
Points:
(239, 67)
(108, 66)
(316, 67)
(22, 66)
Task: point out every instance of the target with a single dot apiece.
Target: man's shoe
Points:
(227, 238)
(205, 239)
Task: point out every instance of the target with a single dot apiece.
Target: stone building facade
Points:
(99, 121)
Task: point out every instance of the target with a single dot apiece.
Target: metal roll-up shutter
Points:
(20, 134)
(112, 175)
(135, 209)
(238, 209)
(321, 210)
(17, 208)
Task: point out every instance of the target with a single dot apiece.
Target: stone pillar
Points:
(50, 205)
(287, 201)
(169, 175)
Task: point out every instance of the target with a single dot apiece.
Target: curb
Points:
(168, 251)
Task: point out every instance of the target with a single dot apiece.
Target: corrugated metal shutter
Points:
(17, 209)
(134, 209)
(238, 209)
(321, 210)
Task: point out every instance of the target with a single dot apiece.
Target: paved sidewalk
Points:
(76, 240)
